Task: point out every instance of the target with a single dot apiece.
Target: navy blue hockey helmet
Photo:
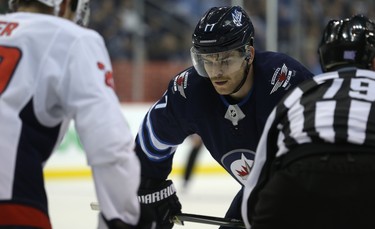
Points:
(220, 30)
(348, 42)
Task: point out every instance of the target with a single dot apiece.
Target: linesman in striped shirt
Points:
(315, 162)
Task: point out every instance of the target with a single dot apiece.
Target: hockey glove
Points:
(159, 200)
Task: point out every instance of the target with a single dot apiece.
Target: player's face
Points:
(225, 70)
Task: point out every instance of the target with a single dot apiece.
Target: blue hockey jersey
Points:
(229, 129)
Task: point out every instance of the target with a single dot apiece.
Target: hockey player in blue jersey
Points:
(315, 163)
(225, 98)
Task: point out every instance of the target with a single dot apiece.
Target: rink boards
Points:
(69, 159)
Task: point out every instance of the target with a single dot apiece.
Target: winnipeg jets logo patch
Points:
(180, 83)
(237, 16)
(239, 163)
(281, 78)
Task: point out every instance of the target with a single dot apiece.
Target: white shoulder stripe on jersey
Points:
(366, 73)
(154, 141)
(159, 145)
(325, 76)
(293, 97)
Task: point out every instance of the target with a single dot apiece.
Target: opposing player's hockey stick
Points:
(94, 206)
(185, 217)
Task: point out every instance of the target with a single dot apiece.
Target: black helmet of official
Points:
(348, 42)
(222, 29)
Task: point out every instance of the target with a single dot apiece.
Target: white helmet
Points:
(82, 11)
(51, 3)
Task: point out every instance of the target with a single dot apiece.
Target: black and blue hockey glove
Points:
(159, 200)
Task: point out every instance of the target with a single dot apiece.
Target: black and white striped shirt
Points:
(335, 107)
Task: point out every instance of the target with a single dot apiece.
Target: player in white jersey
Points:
(53, 71)
(314, 167)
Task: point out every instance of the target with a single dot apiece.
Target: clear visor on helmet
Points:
(220, 63)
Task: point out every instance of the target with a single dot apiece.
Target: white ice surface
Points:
(69, 200)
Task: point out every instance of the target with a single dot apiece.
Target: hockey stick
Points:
(224, 222)
(94, 206)
(194, 218)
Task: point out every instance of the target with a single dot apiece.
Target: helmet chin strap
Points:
(244, 77)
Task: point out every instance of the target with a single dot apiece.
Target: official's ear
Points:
(66, 10)
(373, 64)
(63, 7)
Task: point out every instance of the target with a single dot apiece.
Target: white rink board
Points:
(70, 155)
(70, 198)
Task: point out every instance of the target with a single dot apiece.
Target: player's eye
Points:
(207, 63)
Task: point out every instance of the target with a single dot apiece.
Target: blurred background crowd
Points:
(149, 40)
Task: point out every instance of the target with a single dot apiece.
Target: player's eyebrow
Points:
(217, 56)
